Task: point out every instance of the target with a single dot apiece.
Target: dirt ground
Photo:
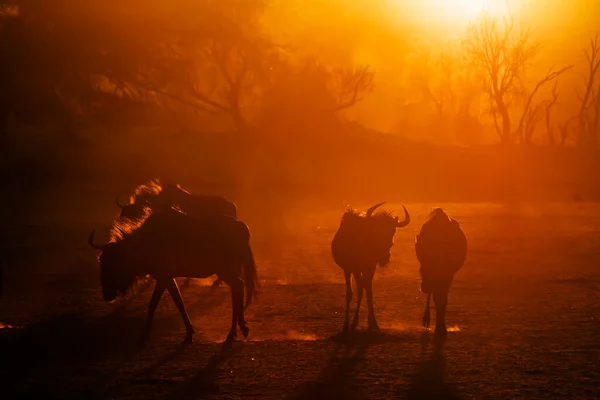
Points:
(524, 315)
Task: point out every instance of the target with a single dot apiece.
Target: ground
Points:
(524, 316)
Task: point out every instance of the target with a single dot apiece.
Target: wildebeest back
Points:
(178, 239)
(441, 245)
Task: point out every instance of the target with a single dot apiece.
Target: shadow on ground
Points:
(337, 379)
(429, 380)
(77, 338)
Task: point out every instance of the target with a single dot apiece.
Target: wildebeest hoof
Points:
(231, 337)
(245, 331)
(426, 321)
(374, 327)
(441, 331)
(188, 338)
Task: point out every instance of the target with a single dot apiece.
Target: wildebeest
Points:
(441, 249)
(360, 244)
(162, 197)
(172, 244)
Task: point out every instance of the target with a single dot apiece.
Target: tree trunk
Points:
(596, 126)
(506, 133)
(239, 120)
(582, 137)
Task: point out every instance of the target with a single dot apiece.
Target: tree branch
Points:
(363, 81)
(549, 77)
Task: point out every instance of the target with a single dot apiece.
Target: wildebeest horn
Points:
(119, 204)
(370, 210)
(406, 219)
(94, 245)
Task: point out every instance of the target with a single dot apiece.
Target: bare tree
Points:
(596, 123)
(348, 84)
(503, 52)
(550, 104)
(564, 129)
(432, 77)
(531, 115)
(587, 132)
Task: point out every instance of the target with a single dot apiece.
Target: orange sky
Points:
(384, 33)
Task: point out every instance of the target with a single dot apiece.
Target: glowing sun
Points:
(450, 13)
(458, 10)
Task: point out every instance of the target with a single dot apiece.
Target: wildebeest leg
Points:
(347, 276)
(426, 314)
(359, 288)
(368, 284)
(240, 306)
(237, 307)
(159, 288)
(216, 284)
(176, 296)
(441, 301)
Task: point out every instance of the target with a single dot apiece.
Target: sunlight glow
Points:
(459, 10)
(453, 14)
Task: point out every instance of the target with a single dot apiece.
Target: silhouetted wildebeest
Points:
(359, 245)
(171, 244)
(441, 249)
(161, 197)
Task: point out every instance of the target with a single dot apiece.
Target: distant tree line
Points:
(65, 66)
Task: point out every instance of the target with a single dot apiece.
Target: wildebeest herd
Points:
(164, 232)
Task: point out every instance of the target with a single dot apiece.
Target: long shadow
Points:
(204, 382)
(337, 379)
(429, 380)
(77, 337)
(65, 338)
(104, 391)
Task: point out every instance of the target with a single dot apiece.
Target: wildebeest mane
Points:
(120, 231)
(123, 227)
(353, 213)
(151, 188)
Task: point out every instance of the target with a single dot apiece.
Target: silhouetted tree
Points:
(503, 53)
(217, 63)
(548, 106)
(532, 114)
(590, 100)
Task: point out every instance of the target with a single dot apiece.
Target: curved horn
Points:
(119, 204)
(406, 219)
(370, 210)
(94, 245)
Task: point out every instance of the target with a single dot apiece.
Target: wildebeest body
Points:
(162, 198)
(441, 248)
(191, 246)
(172, 244)
(360, 244)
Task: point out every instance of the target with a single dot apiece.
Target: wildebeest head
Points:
(116, 276)
(374, 233)
(382, 230)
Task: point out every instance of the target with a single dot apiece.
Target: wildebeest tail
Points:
(250, 276)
